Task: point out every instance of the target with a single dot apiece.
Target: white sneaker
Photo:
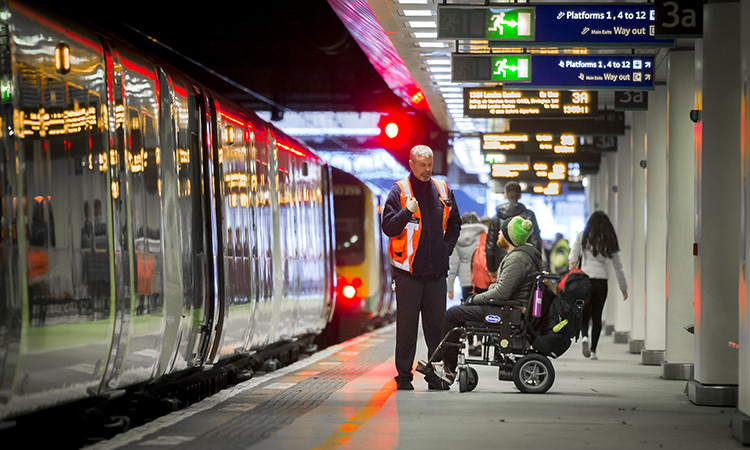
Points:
(443, 372)
(593, 356)
(585, 345)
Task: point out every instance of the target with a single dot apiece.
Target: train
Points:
(156, 239)
(364, 296)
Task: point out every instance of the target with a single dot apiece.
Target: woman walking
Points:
(591, 250)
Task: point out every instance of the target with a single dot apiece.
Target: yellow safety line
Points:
(342, 435)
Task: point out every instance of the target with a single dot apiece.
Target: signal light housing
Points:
(397, 130)
(400, 130)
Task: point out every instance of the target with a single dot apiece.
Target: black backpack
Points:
(562, 322)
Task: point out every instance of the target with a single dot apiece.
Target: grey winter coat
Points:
(460, 261)
(515, 279)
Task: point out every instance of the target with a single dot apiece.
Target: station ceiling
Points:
(317, 55)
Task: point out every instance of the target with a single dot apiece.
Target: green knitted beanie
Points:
(516, 230)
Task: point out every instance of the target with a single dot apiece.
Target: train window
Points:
(349, 211)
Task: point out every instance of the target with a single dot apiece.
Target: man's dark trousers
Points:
(415, 295)
(457, 316)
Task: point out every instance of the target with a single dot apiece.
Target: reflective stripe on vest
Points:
(408, 239)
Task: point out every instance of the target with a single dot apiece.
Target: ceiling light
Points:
(422, 24)
(454, 100)
(417, 12)
(450, 89)
(452, 95)
(438, 62)
(432, 44)
(426, 35)
(412, 2)
(439, 69)
(441, 76)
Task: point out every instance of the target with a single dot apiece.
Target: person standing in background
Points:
(505, 211)
(422, 220)
(590, 252)
(460, 261)
(558, 255)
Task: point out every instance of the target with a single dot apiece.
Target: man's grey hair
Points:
(420, 150)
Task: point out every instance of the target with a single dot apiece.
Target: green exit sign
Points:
(511, 68)
(509, 23)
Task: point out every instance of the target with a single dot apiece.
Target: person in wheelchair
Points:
(515, 281)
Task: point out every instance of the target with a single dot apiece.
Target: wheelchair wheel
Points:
(533, 374)
(467, 379)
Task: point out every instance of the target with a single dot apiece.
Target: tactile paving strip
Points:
(286, 406)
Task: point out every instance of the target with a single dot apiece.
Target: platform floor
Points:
(344, 397)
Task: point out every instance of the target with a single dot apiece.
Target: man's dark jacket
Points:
(434, 249)
(505, 211)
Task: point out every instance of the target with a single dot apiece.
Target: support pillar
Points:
(624, 225)
(656, 227)
(637, 294)
(741, 418)
(718, 176)
(678, 356)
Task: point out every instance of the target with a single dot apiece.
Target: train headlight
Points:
(349, 291)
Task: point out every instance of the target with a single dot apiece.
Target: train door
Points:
(144, 181)
(329, 231)
(173, 327)
(263, 254)
(55, 316)
(196, 209)
(214, 308)
(193, 259)
(236, 217)
(10, 297)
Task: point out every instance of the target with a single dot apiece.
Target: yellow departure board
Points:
(499, 103)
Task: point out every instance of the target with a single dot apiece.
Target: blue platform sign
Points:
(630, 72)
(611, 24)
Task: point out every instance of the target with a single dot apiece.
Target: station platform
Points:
(344, 397)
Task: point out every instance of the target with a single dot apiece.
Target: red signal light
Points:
(396, 130)
(348, 291)
(391, 129)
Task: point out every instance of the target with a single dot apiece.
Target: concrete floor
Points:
(613, 403)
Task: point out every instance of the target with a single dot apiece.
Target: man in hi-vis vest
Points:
(423, 222)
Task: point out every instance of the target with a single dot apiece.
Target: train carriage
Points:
(365, 298)
(149, 226)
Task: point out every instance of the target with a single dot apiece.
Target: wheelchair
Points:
(505, 343)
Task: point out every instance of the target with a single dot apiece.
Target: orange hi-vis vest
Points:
(403, 247)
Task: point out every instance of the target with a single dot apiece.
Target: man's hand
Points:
(468, 299)
(412, 204)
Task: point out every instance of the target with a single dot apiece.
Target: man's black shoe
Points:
(404, 385)
(438, 385)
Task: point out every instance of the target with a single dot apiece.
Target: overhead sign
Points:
(603, 123)
(528, 143)
(631, 101)
(611, 24)
(679, 19)
(556, 71)
(557, 168)
(499, 103)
